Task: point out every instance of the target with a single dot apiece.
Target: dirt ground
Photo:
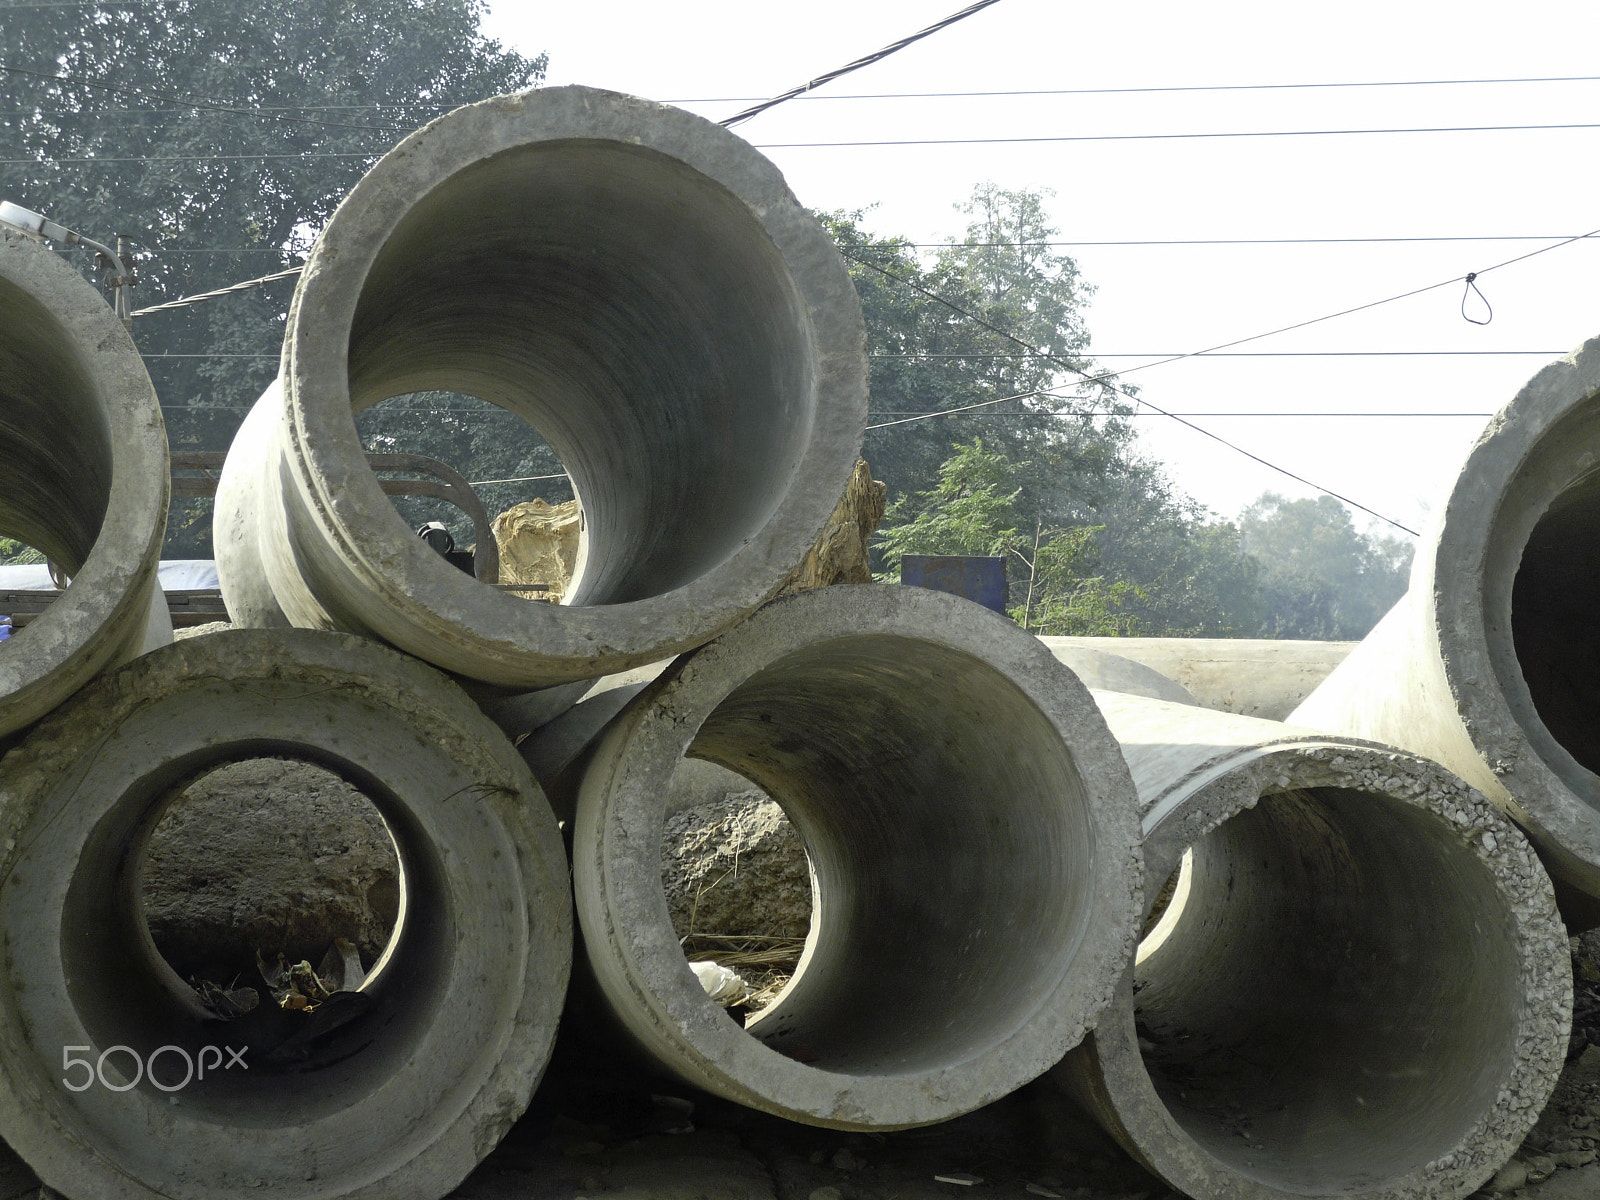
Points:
(601, 1127)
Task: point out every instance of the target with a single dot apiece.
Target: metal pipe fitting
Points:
(635, 282)
(83, 478)
(971, 831)
(1360, 987)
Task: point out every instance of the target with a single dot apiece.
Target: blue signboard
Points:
(981, 580)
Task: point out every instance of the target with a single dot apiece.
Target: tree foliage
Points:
(1119, 549)
(1320, 576)
(219, 136)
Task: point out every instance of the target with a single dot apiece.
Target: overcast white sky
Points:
(710, 55)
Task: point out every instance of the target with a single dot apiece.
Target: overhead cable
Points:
(876, 56)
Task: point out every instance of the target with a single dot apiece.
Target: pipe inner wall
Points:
(1365, 991)
(394, 1091)
(1339, 999)
(970, 832)
(634, 282)
(83, 477)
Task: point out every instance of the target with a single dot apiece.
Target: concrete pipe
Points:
(636, 283)
(83, 478)
(1360, 988)
(1101, 671)
(118, 1082)
(974, 855)
(1254, 677)
(1487, 664)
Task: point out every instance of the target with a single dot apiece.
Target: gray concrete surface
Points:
(1254, 677)
(83, 478)
(1106, 671)
(971, 828)
(639, 285)
(395, 1093)
(1485, 664)
(1361, 985)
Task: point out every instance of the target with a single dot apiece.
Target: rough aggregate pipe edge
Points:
(970, 825)
(444, 1043)
(1488, 663)
(1360, 987)
(636, 283)
(83, 478)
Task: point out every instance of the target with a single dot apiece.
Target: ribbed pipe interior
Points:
(631, 310)
(55, 445)
(1553, 628)
(1339, 999)
(950, 839)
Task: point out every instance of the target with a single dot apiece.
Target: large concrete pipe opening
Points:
(395, 1088)
(1486, 664)
(635, 283)
(970, 829)
(83, 476)
(1363, 989)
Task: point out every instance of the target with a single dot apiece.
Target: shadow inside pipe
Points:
(293, 1065)
(1339, 998)
(949, 840)
(634, 311)
(1556, 637)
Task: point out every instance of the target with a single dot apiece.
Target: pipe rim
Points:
(437, 1080)
(1111, 1064)
(343, 498)
(1536, 449)
(101, 617)
(636, 955)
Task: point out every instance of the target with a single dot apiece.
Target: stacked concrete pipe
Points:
(1254, 677)
(83, 478)
(1487, 664)
(1360, 986)
(116, 1081)
(971, 830)
(640, 286)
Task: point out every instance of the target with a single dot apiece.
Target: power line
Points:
(1211, 87)
(1297, 241)
(208, 105)
(163, 158)
(1155, 137)
(1171, 356)
(982, 141)
(1067, 365)
(1510, 237)
(1132, 415)
(876, 56)
(225, 291)
(1361, 307)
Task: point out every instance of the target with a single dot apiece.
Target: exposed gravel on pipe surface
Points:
(1361, 986)
(1486, 664)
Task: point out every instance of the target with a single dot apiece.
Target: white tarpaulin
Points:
(176, 575)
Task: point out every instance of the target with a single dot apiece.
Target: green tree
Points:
(1320, 576)
(219, 136)
(1176, 574)
(927, 357)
